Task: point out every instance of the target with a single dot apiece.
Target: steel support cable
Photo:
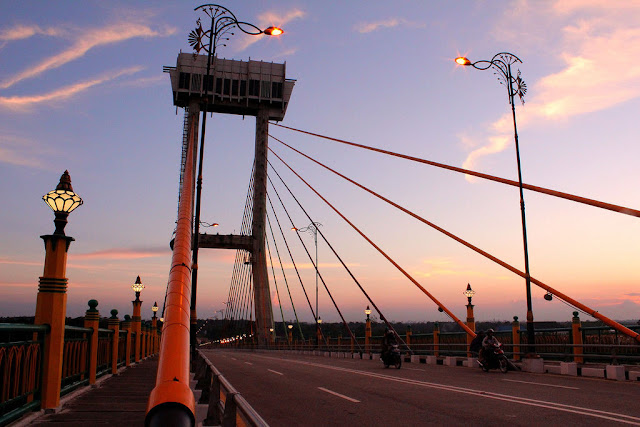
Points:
(509, 267)
(346, 325)
(317, 271)
(313, 314)
(275, 282)
(382, 316)
(383, 253)
(560, 194)
(293, 306)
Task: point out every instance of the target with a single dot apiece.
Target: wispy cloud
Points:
(22, 103)
(20, 32)
(271, 19)
(368, 27)
(86, 41)
(19, 262)
(594, 42)
(20, 151)
(121, 253)
(443, 266)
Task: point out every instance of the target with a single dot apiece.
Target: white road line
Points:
(233, 358)
(414, 369)
(350, 399)
(248, 363)
(612, 416)
(546, 385)
(275, 372)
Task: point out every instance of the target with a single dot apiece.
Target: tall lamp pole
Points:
(313, 230)
(223, 21)
(501, 65)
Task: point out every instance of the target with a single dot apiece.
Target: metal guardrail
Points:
(226, 406)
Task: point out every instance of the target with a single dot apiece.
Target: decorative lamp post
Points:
(290, 334)
(367, 331)
(136, 326)
(313, 230)
(501, 65)
(471, 322)
(154, 328)
(51, 305)
(223, 21)
(318, 331)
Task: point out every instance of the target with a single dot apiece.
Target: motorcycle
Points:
(494, 358)
(392, 357)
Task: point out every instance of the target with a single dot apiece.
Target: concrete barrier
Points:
(634, 375)
(593, 372)
(415, 358)
(432, 360)
(375, 356)
(615, 372)
(471, 362)
(552, 369)
(569, 368)
(450, 361)
(535, 365)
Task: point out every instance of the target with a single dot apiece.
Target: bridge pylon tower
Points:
(248, 88)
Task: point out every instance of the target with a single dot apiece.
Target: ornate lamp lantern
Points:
(62, 201)
(137, 287)
(469, 293)
(367, 311)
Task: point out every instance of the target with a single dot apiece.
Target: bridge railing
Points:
(225, 404)
(23, 351)
(21, 348)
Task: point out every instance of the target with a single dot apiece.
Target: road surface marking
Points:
(547, 385)
(339, 395)
(233, 358)
(414, 369)
(248, 363)
(612, 416)
(275, 372)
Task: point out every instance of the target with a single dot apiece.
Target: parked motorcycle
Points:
(494, 358)
(392, 357)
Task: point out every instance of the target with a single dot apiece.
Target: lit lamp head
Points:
(62, 201)
(367, 311)
(319, 321)
(461, 60)
(469, 293)
(154, 308)
(290, 327)
(137, 287)
(273, 31)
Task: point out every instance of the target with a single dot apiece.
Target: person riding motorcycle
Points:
(388, 340)
(488, 343)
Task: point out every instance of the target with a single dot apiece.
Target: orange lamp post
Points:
(471, 322)
(154, 328)
(51, 305)
(367, 331)
(136, 326)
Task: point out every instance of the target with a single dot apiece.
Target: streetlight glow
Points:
(461, 60)
(273, 31)
(137, 286)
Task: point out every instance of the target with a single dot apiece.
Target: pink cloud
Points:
(121, 253)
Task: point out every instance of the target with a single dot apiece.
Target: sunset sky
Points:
(82, 89)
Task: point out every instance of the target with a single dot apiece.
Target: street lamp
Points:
(367, 311)
(469, 293)
(154, 309)
(501, 64)
(137, 287)
(313, 230)
(62, 202)
(222, 22)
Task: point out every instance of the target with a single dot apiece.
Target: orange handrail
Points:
(172, 397)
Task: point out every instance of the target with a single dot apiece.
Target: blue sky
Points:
(82, 88)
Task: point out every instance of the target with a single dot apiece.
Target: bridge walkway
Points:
(118, 400)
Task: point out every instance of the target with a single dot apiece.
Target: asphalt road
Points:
(306, 390)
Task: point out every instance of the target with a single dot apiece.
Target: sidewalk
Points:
(118, 400)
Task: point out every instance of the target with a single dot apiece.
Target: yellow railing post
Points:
(51, 309)
(471, 324)
(576, 332)
(114, 325)
(154, 333)
(126, 326)
(137, 327)
(91, 319)
(515, 336)
(436, 339)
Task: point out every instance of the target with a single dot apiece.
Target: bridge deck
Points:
(118, 400)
